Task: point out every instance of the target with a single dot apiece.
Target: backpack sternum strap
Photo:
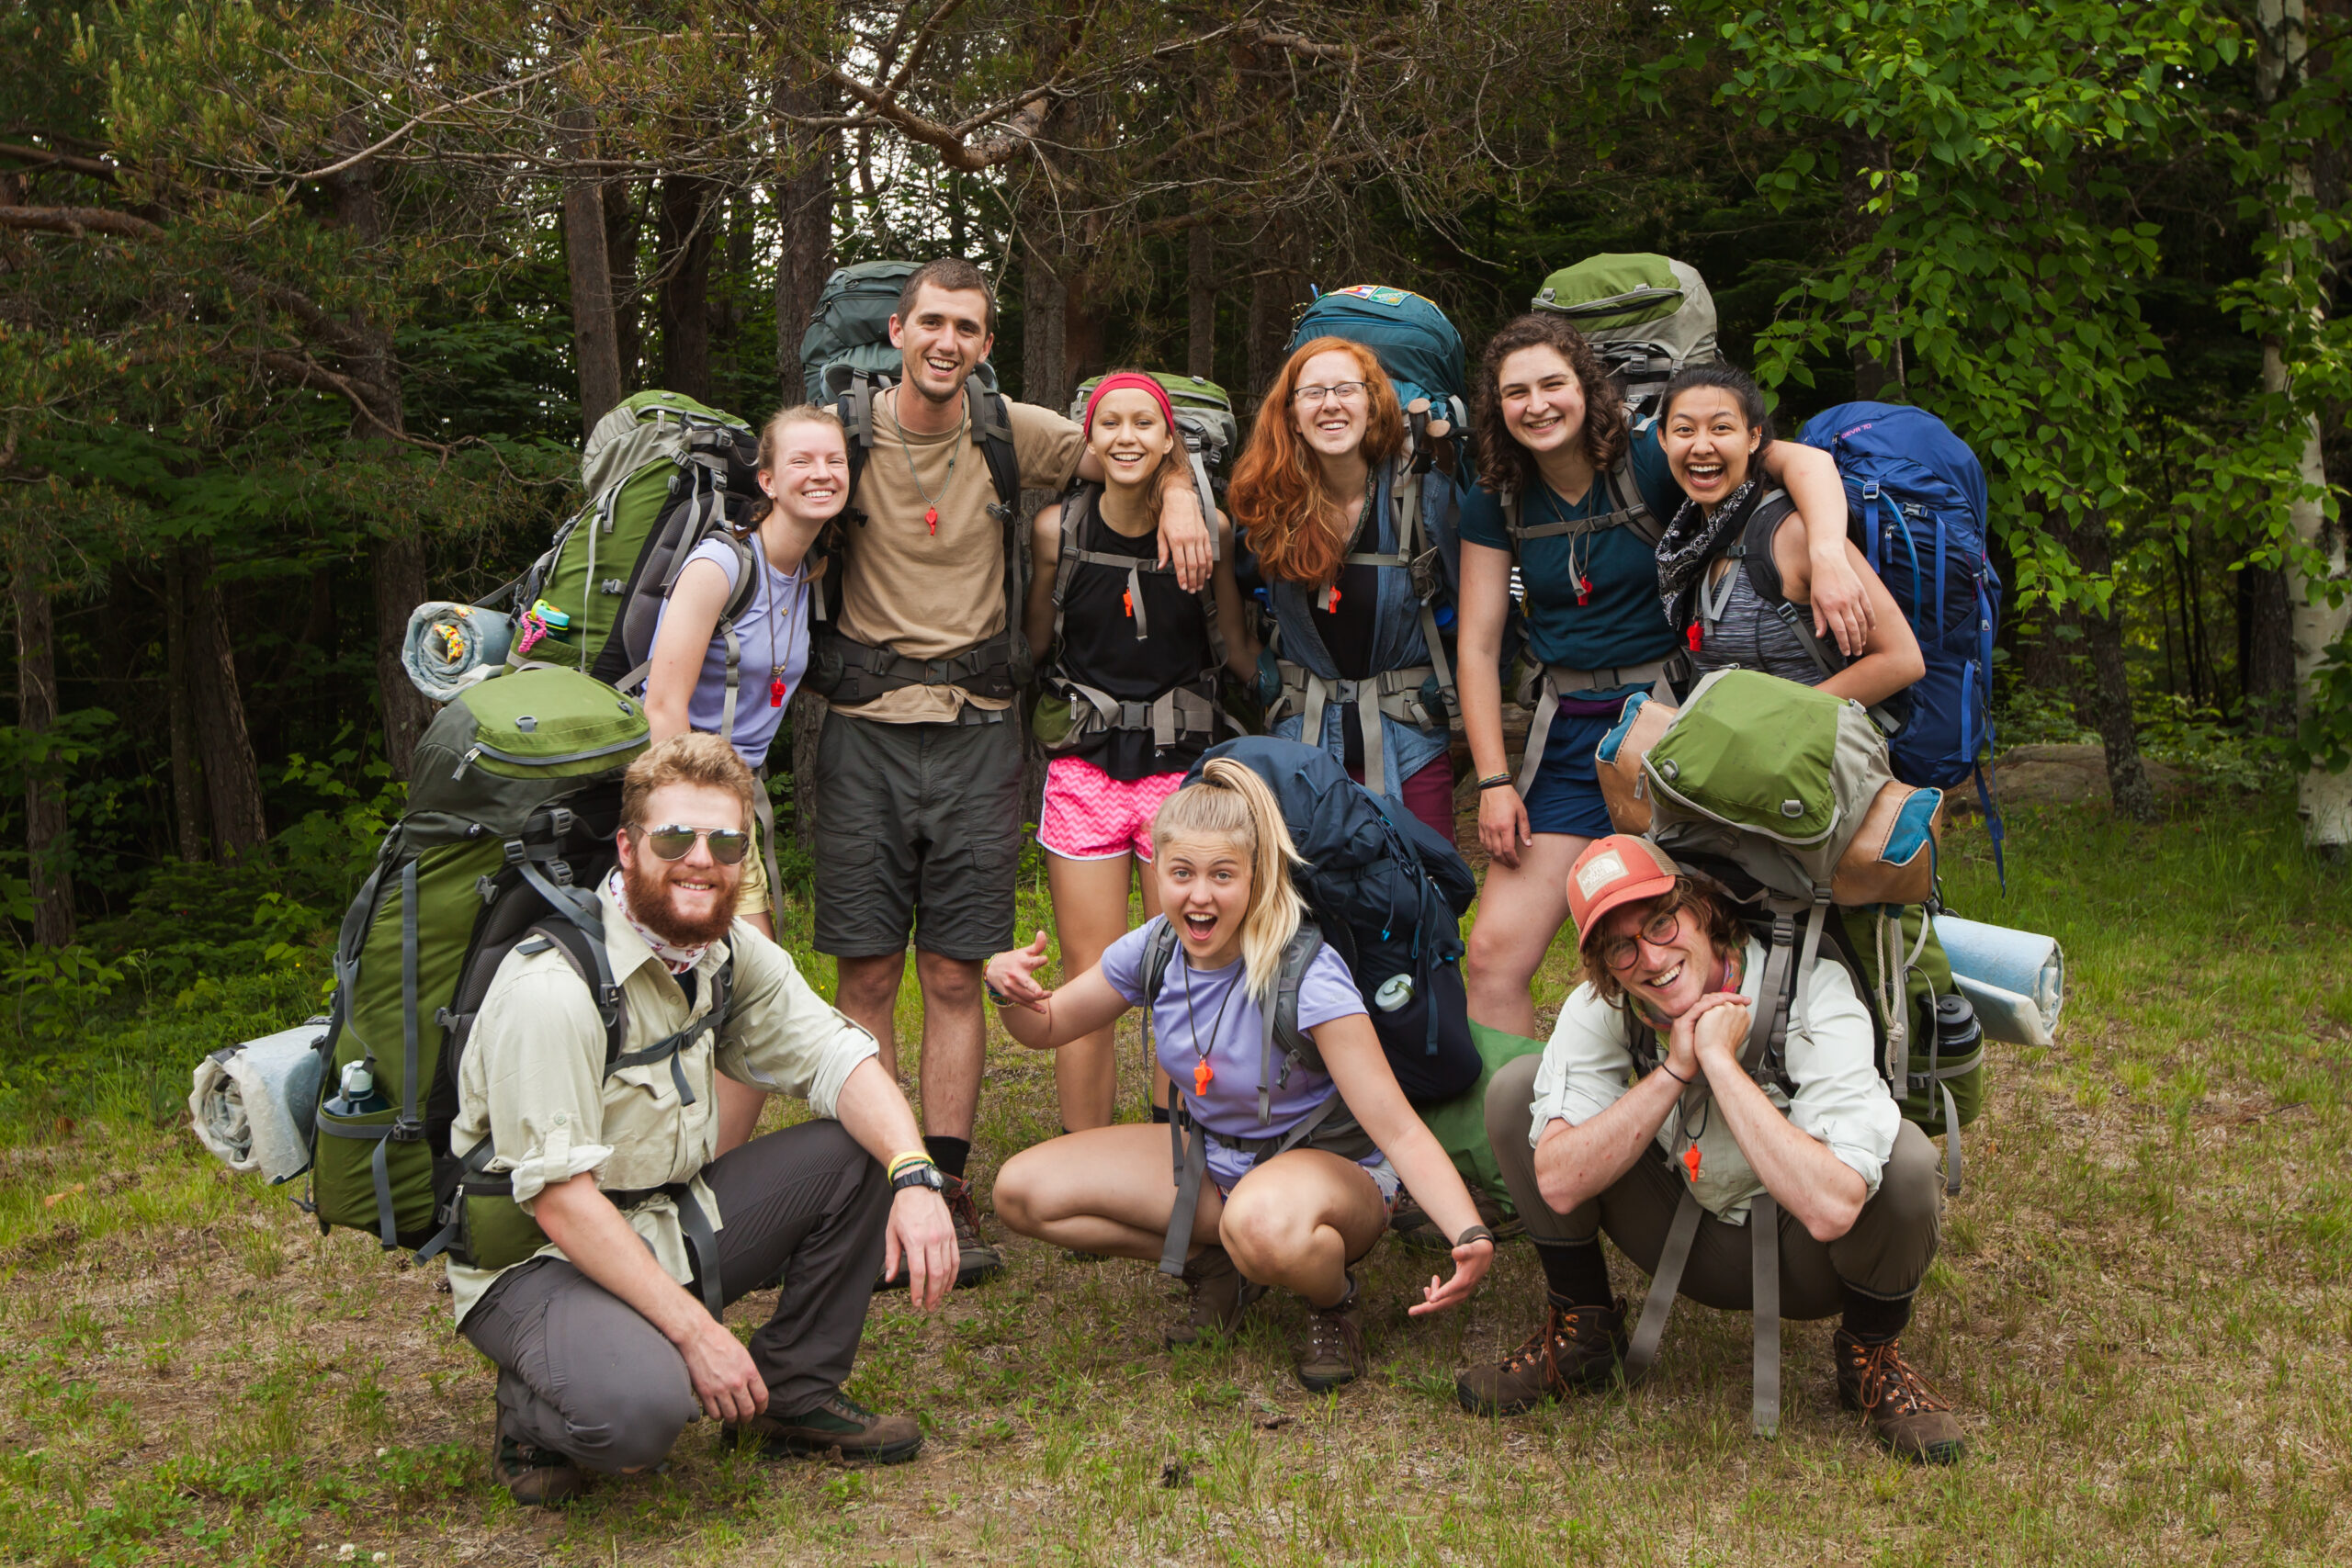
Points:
(1616, 485)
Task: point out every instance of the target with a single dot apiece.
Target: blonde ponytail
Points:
(1233, 805)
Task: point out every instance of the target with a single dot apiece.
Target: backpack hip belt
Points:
(1182, 712)
(1329, 1127)
(984, 669)
(1395, 694)
(1547, 684)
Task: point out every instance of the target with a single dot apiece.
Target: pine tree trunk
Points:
(683, 292)
(804, 204)
(189, 807)
(2323, 799)
(223, 743)
(1045, 364)
(399, 588)
(594, 346)
(47, 841)
(2265, 649)
(621, 225)
(1200, 299)
(2105, 698)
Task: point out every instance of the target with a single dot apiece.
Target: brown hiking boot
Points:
(1413, 1228)
(1329, 1354)
(1215, 1297)
(976, 1261)
(535, 1478)
(839, 1426)
(1904, 1413)
(1577, 1350)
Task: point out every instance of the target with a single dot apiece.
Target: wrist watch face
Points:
(920, 1176)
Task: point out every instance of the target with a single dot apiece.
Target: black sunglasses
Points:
(676, 840)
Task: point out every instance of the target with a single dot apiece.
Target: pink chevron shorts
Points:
(1088, 815)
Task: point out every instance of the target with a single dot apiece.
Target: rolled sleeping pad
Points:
(450, 645)
(253, 1103)
(2016, 980)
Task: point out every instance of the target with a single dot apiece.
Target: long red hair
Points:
(1276, 496)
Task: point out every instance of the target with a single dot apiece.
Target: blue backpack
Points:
(1416, 346)
(1916, 506)
(1388, 896)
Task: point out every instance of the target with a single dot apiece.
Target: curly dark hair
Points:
(1509, 469)
(1719, 922)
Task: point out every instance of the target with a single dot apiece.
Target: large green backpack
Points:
(514, 798)
(662, 473)
(849, 331)
(1648, 316)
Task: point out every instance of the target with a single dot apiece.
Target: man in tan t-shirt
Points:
(918, 777)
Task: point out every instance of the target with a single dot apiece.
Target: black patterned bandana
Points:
(1693, 539)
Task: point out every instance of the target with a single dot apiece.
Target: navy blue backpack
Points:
(1388, 896)
(1916, 502)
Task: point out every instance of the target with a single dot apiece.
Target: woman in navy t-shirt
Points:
(1266, 1207)
(1587, 497)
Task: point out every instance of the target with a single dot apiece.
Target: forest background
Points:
(303, 311)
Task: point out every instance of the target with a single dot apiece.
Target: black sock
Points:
(1160, 1114)
(1874, 1321)
(1575, 1271)
(949, 1155)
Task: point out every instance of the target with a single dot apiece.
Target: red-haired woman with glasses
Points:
(1314, 496)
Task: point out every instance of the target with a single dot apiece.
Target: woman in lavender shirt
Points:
(804, 468)
(1262, 1214)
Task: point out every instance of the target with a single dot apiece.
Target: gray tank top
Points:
(1739, 628)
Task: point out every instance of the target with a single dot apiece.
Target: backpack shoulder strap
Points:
(1076, 507)
(1754, 553)
(854, 407)
(1159, 947)
(1626, 506)
(1280, 1024)
(585, 954)
(992, 428)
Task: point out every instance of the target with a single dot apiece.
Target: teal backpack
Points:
(514, 800)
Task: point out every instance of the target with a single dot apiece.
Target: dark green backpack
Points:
(850, 330)
(514, 798)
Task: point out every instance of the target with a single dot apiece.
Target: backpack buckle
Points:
(560, 822)
(515, 853)
(1870, 490)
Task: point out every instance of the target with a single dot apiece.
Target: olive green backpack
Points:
(514, 800)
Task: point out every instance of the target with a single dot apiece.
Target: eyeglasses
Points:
(1619, 952)
(1346, 391)
(676, 840)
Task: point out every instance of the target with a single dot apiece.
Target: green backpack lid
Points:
(1645, 306)
(507, 746)
(1201, 406)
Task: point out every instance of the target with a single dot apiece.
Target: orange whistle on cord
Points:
(1128, 599)
(1690, 1161)
(1333, 607)
(1201, 1075)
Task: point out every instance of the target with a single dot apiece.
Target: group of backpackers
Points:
(558, 1012)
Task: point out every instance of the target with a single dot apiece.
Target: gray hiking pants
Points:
(580, 1372)
(1884, 1256)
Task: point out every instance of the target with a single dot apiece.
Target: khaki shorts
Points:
(753, 898)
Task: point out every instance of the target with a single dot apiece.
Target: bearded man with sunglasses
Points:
(608, 1340)
(1640, 1096)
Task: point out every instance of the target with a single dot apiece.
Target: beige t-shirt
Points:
(926, 595)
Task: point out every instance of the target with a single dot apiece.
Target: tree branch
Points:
(39, 156)
(491, 92)
(79, 223)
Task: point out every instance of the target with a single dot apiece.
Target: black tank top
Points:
(1100, 647)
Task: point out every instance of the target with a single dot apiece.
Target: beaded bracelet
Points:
(1494, 781)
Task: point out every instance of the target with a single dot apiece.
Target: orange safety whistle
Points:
(1690, 1161)
(1201, 1075)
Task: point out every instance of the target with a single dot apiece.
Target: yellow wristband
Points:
(913, 1157)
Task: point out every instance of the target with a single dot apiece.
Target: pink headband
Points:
(1131, 379)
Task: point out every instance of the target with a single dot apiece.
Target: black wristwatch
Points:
(919, 1175)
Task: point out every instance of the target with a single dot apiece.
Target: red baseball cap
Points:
(1613, 872)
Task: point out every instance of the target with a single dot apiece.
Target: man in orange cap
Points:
(1641, 1096)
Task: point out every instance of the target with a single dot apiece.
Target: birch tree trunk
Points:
(2324, 799)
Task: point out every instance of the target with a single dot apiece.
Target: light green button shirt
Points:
(533, 1075)
(1840, 1099)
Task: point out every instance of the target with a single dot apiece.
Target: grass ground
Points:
(2143, 1311)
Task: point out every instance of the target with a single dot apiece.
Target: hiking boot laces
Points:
(1543, 1346)
(961, 1210)
(1332, 1333)
(1887, 1379)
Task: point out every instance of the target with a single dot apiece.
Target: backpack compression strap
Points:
(1081, 504)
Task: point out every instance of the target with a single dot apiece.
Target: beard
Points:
(645, 882)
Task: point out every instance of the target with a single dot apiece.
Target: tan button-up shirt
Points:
(533, 1077)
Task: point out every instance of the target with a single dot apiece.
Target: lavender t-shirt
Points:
(771, 632)
(1217, 1002)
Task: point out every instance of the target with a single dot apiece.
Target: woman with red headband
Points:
(1130, 690)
